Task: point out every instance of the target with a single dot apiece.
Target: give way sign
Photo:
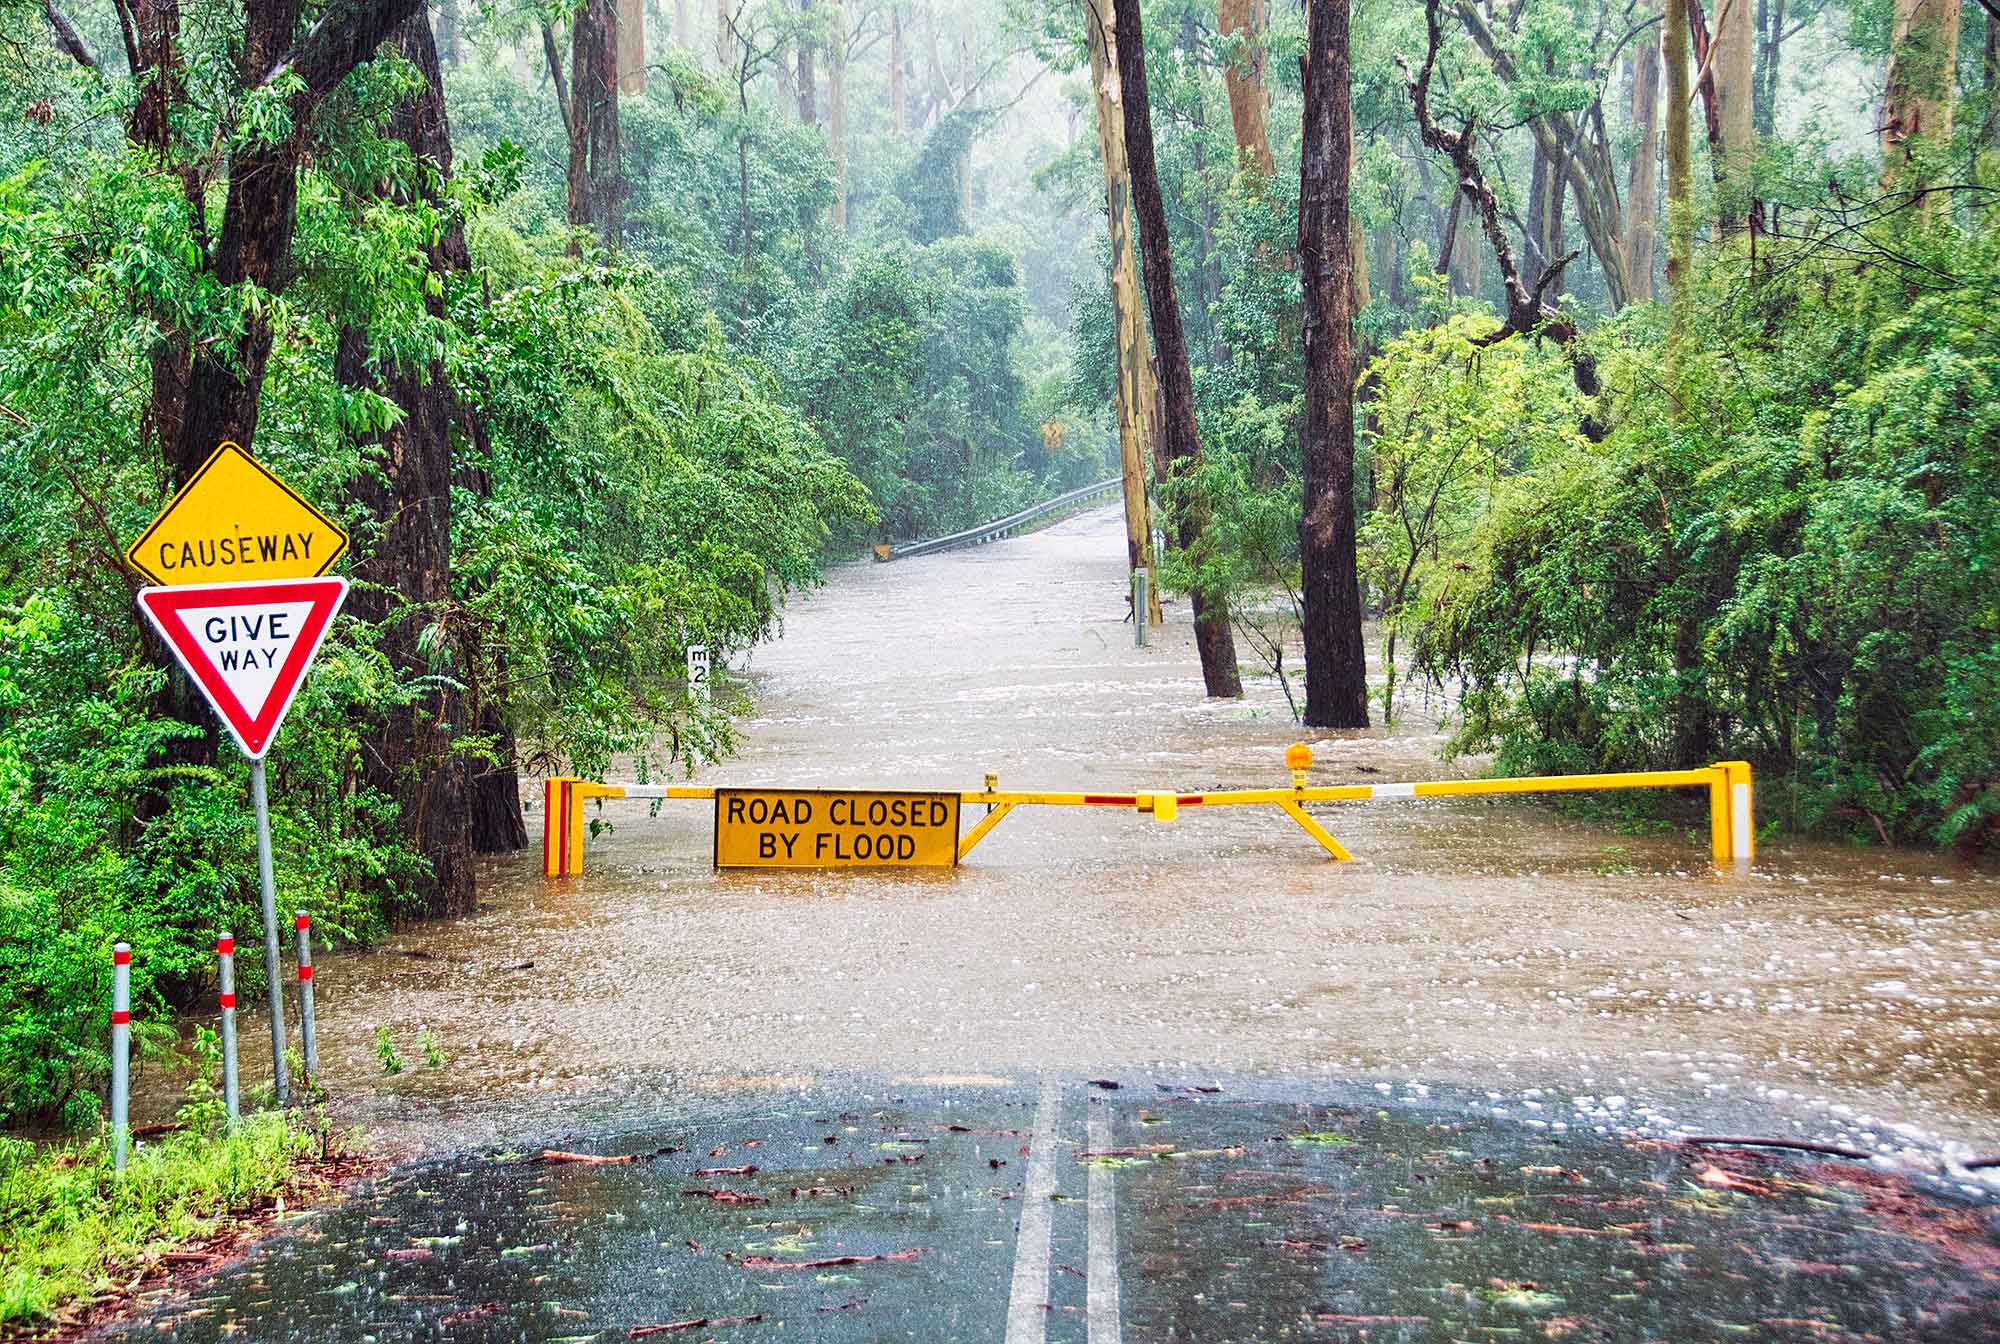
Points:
(246, 645)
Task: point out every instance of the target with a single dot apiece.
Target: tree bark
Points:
(808, 78)
(899, 78)
(683, 26)
(1770, 49)
(1674, 42)
(630, 36)
(1336, 663)
(595, 187)
(405, 581)
(836, 115)
(1180, 435)
(1923, 65)
(1241, 22)
(725, 38)
(1735, 96)
(448, 46)
(1642, 183)
(1137, 393)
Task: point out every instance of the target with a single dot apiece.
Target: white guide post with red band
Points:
(121, 1051)
(225, 953)
(303, 924)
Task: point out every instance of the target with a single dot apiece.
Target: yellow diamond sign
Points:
(236, 522)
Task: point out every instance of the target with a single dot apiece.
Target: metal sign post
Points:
(274, 987)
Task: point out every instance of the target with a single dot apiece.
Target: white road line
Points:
(1106, 1325)
(1027, 1317)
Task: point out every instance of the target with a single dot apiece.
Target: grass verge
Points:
(76, 1239)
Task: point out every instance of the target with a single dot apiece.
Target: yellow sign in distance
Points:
(825, 828)
(236, 522)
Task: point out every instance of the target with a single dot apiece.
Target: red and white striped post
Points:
(303, 923)
(225, 951)
(121, 1050)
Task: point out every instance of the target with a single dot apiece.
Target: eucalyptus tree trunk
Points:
(1642, 183)
(1680, 160)
(1243, 76)
(808, 77)
(1181, 435)
(404, 568)
(836, 115)
(595, 188)
(1923, 63)
(1336, 663)
(1735, 98)
(899, 77)
(1138, 393)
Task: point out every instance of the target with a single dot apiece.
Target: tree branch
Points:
(345, 36)
(69, 39)
(1526, 315)
(556, 73)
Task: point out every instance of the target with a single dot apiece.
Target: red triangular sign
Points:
(246, 645)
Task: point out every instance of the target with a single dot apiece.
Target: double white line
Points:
(1027, 1305)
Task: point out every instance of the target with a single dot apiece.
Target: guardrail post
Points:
(121, 1051)
(303, 924)
(1139, 607)
(1732, 818)
(225, 953)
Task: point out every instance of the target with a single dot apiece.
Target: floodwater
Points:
(1113, 1077)
(1495, 943)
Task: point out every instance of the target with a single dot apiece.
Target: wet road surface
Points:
(1146, 1214)
(1516, 989)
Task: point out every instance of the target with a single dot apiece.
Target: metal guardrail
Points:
(1001, 527)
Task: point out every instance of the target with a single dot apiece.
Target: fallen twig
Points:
(591, 1159)
(726, 1196)
(830, 1262)
(1802, 1145)
(698, 1323)
(747, 1169)
(1144, 1150)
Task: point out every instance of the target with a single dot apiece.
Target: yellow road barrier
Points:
(1732, 829)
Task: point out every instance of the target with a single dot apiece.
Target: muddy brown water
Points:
(1497, 945)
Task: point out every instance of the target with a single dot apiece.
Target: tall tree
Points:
(899, 73)
(1642, 182)
(1336, 662)
(1179, 433)
(1138, 392)
(808, 78)
(1735, 95)
(1241, 23)
(1674, 51)
(1923, 65)
(405, 576)
(836, 114)
(588, 101)
(259, 214)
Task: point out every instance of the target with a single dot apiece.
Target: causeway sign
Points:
(823, 828)
(232, 522)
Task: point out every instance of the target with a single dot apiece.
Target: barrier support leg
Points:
(555, 825)
(1718, 813)
(1742, 815)
(986, 823)
(1316, 831)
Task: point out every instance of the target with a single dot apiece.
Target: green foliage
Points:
(73, 1226)
(1796, 569)
(385, 1051)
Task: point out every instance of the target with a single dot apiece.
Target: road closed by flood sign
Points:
(815, 828)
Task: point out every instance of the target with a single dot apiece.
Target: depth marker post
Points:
(303, 923)
(260, 799)
(225, 952)
(121, 1051)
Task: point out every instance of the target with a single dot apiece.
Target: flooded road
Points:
(1471, 941)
